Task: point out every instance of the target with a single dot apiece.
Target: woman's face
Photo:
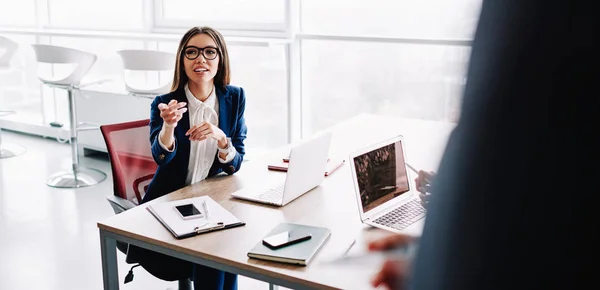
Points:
(197, 54)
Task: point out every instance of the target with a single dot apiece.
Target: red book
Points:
(332, 165)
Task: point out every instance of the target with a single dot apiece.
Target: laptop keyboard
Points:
(402, 216)
(274, 195)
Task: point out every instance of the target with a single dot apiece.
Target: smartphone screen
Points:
(188, 211)
(285, 239)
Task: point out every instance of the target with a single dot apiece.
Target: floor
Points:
(48, 236)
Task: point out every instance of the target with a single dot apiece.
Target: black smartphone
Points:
(284, 239)
(188, 211)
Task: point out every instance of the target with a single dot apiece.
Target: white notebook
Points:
(218, 218)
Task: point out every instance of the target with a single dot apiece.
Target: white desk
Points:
(332, 205)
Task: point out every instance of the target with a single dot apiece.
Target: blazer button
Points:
(161, 157)
(231, 169)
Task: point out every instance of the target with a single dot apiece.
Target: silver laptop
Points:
(306, 168)
(383, 186)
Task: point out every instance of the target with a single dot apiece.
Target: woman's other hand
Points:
(207, 130)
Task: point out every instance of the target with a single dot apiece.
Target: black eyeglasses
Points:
(192, 52)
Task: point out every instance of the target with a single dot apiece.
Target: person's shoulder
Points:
(234, 90)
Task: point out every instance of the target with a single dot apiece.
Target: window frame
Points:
(246, 29)
(43, 8)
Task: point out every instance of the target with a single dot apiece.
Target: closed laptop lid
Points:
(380, 177)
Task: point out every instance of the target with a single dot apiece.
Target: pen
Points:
(350, 247)
(417, 172)
(205, 206)
(412, 168)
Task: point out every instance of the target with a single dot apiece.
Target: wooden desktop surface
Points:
(332, 205)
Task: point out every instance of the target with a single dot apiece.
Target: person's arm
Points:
(162, 137)
(226, 152)
(237, 138)
(166, 136)
(395, 272)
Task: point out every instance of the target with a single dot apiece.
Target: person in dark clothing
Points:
(503, 214)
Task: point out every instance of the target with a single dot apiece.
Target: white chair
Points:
(82, 61)
(8, 48)
(146, 61)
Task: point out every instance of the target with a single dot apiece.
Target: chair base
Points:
(82, 177)
(11, 150)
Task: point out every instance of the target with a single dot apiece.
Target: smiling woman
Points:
(196, 131)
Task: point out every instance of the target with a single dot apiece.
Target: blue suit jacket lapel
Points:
(224, 111)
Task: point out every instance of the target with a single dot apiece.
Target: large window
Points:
(105, 14)
(321, 62)
(261, 71)
(345, 78)
(107, 66)
(223, 14)
(432, 19)
(19, 85)
(17, 13)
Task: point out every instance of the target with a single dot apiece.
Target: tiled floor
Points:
(48, 236)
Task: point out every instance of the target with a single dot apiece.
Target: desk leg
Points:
(110, 275)
(273, 287)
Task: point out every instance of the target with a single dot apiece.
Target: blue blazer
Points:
(173, 166)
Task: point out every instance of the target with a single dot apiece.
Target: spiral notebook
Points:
(213, 217)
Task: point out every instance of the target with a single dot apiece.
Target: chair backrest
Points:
(8, 48)
(130, 157)
(149, 61)
(52, 54)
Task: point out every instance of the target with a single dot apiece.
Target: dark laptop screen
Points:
(381, 175)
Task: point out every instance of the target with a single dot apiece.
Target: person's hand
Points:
(394, 272)
(173, 112)
(207, 130)
(423, 183)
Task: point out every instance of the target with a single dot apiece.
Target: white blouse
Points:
(202, 152)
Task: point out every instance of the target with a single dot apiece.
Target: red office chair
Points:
(132, 168)
(131, 162)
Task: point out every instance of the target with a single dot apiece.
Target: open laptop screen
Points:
(381, 175)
